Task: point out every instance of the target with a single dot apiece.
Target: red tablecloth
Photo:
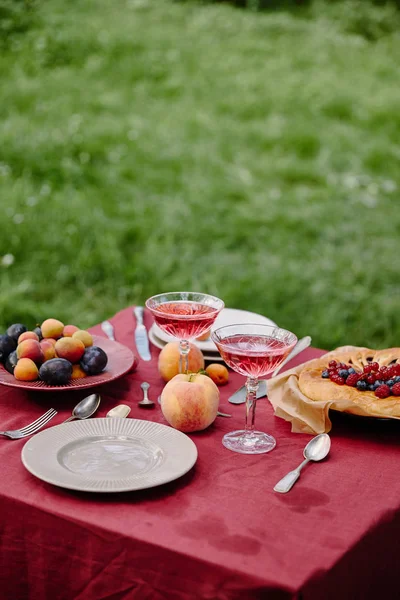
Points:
(219, 532)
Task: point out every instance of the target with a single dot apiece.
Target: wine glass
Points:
(184, 315)
(252, 350)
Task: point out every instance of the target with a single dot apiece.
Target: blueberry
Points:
(390, 382)
(377, 383)
(351, 370)
(325, 374)
(371, 387)
(362, 385)
(397, 379)
(343, 373)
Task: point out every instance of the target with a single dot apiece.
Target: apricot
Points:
(52, 328)
(218, 373)
(204, 336)
(70, 348)
(30, 349)
(48, 349)
(69, 330)
(168, 360)
(84, 336)
(77, 372)
(51, 340)
(28, 335)
(26, 370)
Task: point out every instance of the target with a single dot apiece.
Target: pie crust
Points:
(315, 387)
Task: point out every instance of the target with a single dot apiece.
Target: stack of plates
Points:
(228, 316)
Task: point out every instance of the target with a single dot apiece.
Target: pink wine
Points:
(183, 319)
(253, 355)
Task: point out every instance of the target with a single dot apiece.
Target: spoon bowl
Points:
(85, 408)
(316, 449)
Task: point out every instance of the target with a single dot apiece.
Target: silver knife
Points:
(239, 397)
(108, 330)
(141, 339)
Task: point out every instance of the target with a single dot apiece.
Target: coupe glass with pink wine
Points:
(252, 350)
(184, 315)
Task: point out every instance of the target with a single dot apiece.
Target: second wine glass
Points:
(184, 315)
(252, 350)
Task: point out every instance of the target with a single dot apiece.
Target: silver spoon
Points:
(120, 411)
(146, 401)
(85, 408)
(316, 450)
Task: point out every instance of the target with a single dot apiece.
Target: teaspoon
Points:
(316, 450)
(85, 408)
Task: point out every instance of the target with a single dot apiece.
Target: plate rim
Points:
(26, 385)
(112, 423)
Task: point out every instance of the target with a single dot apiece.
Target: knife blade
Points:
(141, 338)
(239, 397)
(108, 330)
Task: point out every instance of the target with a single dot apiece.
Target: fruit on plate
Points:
(7, 345)
(52, 328)
(94, 360)
(369, 378)
(56, 371)
(168, 360)
(26, 370)
(69, 348)
(30, 349)
(189, 402)
(47, 354)
(218, 373)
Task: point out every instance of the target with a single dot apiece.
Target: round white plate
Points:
(227, 316)
(109, 455)
(210, 356)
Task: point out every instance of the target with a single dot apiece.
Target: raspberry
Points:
(352, 379)
(374, 366)
(396, 389)
(332, 363)
(337, 379)
(367, 368)
(372, 378)
(383, 391)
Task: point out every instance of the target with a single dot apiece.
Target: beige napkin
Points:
(305, 415)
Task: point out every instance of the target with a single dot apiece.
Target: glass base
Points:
(255, 442)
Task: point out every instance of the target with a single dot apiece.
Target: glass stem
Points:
(251, 399)
(183, 356)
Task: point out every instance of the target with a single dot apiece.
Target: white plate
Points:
(109, 455)
(227, 316)
(210, 356)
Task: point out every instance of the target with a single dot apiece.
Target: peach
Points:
(69, 348)
(204, 336)
(52, 328)
(168, 360)
(28, 335)
(30, 349)
(51, 340)
(84, 336)
(218, 373)
(78, 372)
(69, 330)
(189, 402)
(48, 349)
(26, 370)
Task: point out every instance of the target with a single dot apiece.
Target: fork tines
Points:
(40, 422)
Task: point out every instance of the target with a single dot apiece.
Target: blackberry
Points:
(362, 385)
(325, 374)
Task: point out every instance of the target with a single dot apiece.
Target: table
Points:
(219, 532)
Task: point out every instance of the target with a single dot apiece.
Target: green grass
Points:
(154, 146)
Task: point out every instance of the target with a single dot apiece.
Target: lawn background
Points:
(155, 146)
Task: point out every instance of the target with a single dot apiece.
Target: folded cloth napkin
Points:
(305, 415)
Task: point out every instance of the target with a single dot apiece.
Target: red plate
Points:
(120, 361)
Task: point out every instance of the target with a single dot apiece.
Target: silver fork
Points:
(16, 434)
